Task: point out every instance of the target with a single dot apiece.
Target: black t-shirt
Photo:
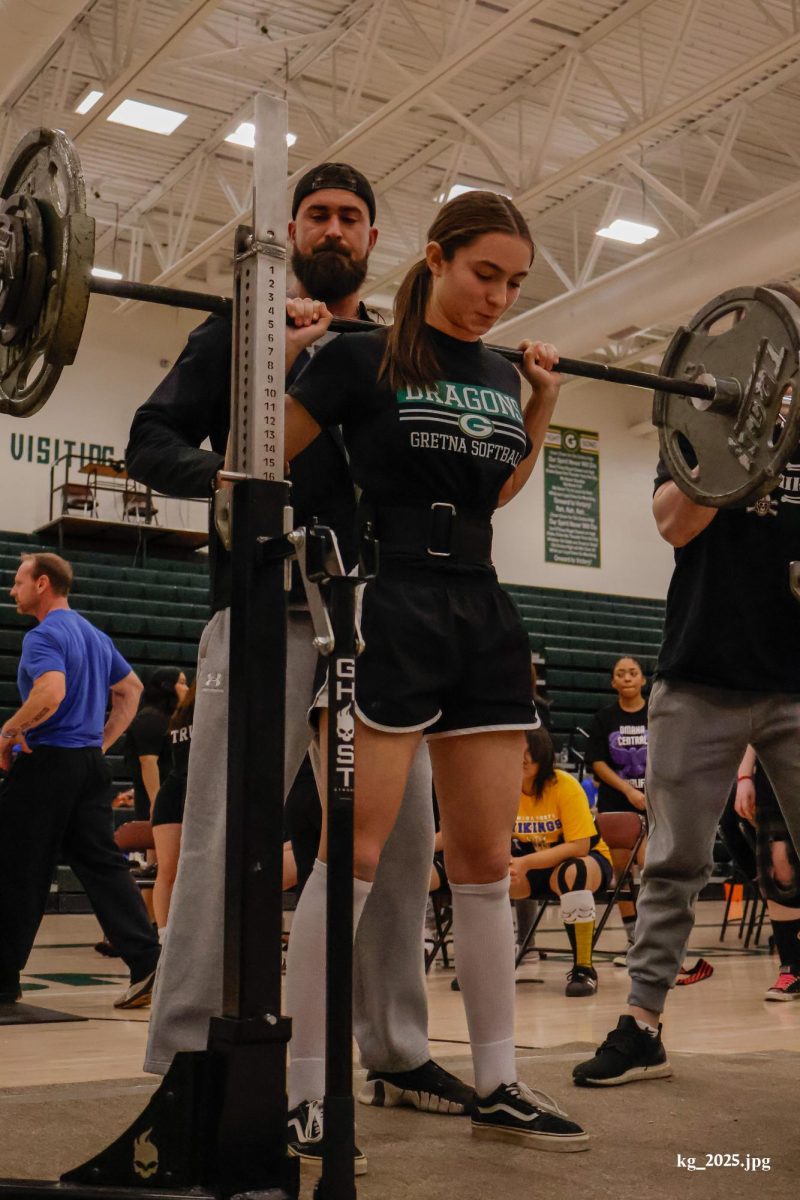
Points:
(619, 739)
(180, 742)
(192, 403)
(146, 736)
(456, 442)
(731, 619)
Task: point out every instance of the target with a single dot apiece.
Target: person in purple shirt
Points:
(54, 800)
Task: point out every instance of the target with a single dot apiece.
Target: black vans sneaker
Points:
(428, 1088)
(628, 1053)
(515, 1113)
(581, 981)
(305, 1125)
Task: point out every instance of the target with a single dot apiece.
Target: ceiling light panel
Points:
(150, 117)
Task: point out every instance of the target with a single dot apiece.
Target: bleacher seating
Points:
(154, 613)
(576, 637)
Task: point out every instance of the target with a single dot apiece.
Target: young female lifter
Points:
(437, 440)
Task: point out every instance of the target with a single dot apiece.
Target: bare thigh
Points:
(383, 761)
(478, 778)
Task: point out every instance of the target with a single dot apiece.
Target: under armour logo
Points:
(213, 681)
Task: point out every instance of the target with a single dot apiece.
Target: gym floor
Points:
(735, 1059)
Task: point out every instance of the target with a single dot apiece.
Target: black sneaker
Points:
(10, 994)
(428, 1088)
(581, 981)
(628, 1053)
(515, 1113)
(138, 995)
(786, 986)
(304, 1141)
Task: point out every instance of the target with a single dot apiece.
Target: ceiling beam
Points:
(192, 14)
(665, 285)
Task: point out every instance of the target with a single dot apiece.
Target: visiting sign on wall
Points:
(571, 497)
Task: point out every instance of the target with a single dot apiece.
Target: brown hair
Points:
(185, 710)
(409, 357)
(542, 752)
(57, 570)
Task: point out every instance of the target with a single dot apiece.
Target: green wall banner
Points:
(571, 497)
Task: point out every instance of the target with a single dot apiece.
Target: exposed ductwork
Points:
(31, 28)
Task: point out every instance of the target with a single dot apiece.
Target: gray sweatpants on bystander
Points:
(697, 736)
(391, 1014)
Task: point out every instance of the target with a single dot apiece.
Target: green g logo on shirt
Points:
(475, 425)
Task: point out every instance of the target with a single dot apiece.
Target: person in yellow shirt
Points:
(556, 850)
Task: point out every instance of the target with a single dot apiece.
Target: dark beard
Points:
(329, 273)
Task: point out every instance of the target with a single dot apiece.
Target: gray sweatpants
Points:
(697, 736)
(391, 1012)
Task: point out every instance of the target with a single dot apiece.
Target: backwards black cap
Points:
(341, 176)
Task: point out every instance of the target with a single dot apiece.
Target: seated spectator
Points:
(167, 815)
(617, 756)
(557, 851)
(778, 871)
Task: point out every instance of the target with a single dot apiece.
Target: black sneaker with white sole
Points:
(428, 1088)
(581, 981)
(628, 1053)
(305, 1129)
(515, 1113)
(138, 995)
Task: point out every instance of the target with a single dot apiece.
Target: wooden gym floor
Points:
(735, 1060)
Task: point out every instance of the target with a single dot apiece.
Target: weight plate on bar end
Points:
(724, 455)
(45, 167)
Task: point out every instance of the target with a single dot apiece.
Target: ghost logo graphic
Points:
(475, 425)
(345, 724)
(145, 1156)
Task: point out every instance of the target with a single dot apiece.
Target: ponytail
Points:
(409, 356)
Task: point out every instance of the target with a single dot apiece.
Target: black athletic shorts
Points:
(539, 879)
(168, 808)
(444, 653)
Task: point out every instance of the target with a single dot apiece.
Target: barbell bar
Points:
(718, 392)
(726, 403)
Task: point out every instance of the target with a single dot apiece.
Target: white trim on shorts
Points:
(321, 700)
(480, 729)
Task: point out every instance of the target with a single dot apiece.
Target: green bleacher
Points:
(576, 637)
(154, 613)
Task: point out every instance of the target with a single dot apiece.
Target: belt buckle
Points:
(441, 525)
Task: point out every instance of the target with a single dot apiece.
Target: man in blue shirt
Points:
(54, 800)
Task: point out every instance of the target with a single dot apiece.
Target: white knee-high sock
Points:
(305, 984)
(483, 941)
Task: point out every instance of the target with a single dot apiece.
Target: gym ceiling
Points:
(682, 115)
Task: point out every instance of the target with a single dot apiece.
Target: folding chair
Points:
(620, 831)
(754, 908)
(135, 837)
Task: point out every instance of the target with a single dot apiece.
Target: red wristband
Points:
(739, 778)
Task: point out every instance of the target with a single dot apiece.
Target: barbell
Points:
(726, 401)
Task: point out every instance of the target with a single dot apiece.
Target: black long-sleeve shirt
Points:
(192, 405)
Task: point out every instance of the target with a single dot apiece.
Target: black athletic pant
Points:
(54, 806)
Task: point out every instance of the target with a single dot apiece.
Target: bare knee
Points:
(479, 867)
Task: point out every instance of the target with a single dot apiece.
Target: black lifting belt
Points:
(440, 530)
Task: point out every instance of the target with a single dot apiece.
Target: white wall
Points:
(634, 561)
(117, 366)
(119, 363)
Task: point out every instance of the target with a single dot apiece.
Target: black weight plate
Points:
(725, 456)
(45, 168)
